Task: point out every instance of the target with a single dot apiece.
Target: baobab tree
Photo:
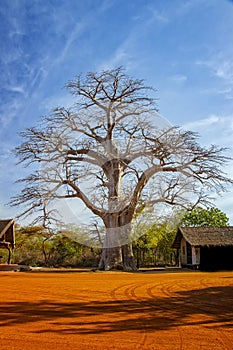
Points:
(107, 150)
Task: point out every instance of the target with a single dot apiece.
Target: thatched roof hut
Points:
(207, 248)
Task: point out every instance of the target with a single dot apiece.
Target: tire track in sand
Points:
(164, 290)
(207, 308)
(128, 291)
(148, 301)
(146, 295)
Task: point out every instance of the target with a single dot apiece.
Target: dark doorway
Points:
(216, 258)
(189, 253)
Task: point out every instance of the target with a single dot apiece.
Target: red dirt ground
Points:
(62, 311)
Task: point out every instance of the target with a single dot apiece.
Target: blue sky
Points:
(183, 48)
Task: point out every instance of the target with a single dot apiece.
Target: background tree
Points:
(35, 248)
(153, 248)
(33, 245)
(205, 217)
(106, 150)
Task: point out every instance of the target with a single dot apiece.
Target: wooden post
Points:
(9, 254)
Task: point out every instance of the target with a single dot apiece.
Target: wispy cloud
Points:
(8, 113)
(198, 124)
(123, 54)
(217, 129)
(221, 68)
(159, 16)
(120, 57)
(179, 78)
(214, 129)
(225, 71)
(19, 89)
(226, 92)
(77, 30)
(126, 52)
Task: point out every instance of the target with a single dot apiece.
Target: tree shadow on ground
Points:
(211, 306)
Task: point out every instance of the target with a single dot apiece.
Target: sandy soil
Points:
(62, 311)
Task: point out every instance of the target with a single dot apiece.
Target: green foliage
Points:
(67, 252)
(205, 217)
(3, 256)
(154, 246)
(29, 242)
(36, 246)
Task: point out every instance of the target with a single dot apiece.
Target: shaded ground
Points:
(116, 311)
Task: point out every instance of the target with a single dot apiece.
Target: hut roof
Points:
(5, 225)
(205, 236)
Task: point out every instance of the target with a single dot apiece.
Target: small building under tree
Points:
(205, 248)
(7, 236)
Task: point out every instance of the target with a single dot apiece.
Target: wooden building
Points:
(205, 248)
(7, 236)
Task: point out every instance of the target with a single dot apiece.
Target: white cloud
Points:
(179, 78)
(120, 57)
(9, 113)
(223, 70)
(214, 129)
(225, 203)
(227, 92)
(218, 129)
(19, 89)
(76, 32)
(159, 17)
(199, 124)
(125, 53)
(63, 100)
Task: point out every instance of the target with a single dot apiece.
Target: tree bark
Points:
(117, 258)
(117, 253)
(111, 259)
(128, 258)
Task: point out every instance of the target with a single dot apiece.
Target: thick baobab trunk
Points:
(111, 253)
(117, 258)
(111, 259)
(117, 253)
(128, 258)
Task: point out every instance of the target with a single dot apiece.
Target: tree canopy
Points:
(205, 217)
